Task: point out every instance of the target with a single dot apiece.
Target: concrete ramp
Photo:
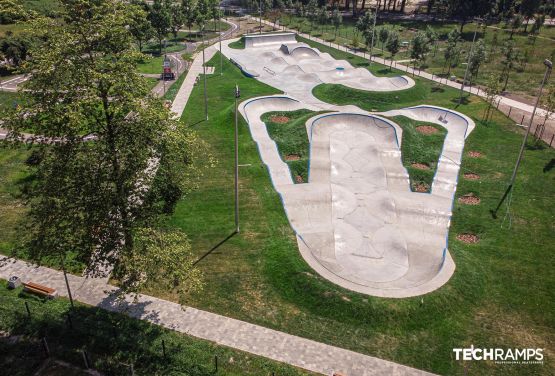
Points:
(357, 222)
(269, 39)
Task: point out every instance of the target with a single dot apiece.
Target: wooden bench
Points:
(35, 288)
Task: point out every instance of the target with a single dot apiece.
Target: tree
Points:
(322, 16)
(393, 45)
(356, 41)
(477, 57)
(189, 10)
(11, 12)
(467, 9)
(510, 58)
(160, 19)
(493, 89)
(516, 22)
(140, 27)
(311, 12)
(177, 18)
(383, 35)
(548, 101)
(432, 37)
(14, 48)
(336, 20)
(451, 50)
(528, 9)
(102, 199)
(419, 48)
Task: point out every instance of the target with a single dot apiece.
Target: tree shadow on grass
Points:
(549, 165)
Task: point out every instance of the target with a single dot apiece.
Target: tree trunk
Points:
(347, 4)
(363, 6)
(463, 22)
(403, 3)
(394, 5)
(429, 7)
(506, 80)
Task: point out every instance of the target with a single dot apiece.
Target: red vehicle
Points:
(167, 73)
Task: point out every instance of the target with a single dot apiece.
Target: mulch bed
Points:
(468, 238)
(292, 157)
(426, 129)
(420, 166)
(279, 119)
(471, 176)
(474, 154)
(469, 199)
(299, 179)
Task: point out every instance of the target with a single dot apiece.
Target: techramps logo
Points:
(500, 356)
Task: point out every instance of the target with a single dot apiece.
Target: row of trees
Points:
(102, 200)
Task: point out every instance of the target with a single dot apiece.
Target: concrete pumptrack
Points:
(358, 224)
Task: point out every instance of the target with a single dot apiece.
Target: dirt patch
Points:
(292, 157)
(279, 119)
(471, 176)
(299, 179)
(468, 238)
(420, 166)
(421, 188)
(474, 154)
(469, 199)
(426, 129)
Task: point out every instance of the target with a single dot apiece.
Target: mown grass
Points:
(174, 88)
(238, 44)
(259, 276)
(113, 342)
(417, 147)
(8, 100)
(151, 65)
(292, 140)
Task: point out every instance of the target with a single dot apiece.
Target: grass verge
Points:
(288, 130)
(238, 44)
(113, 342)
(420, 152)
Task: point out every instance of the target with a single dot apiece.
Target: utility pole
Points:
(373, 32)
(548, 66)
(204, 74)
(260, 15)
(468, 62)
(237, 96)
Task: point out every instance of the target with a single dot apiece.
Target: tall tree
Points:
(528, 9)
(493, 89)
(419, 48)
(477, 57)
(189, 9)
(383, 35)
(451, 50)
(510, 59)
(161, 19)
(140, 27)
(102, 198)
(465, 10)
(393, 45)
(336, 20)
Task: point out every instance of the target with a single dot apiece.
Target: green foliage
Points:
(393, 45)
(238, 44)
(95, 198)
(160, 19)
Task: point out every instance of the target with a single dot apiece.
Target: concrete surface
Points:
(358, 223)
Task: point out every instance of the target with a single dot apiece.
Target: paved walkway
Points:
(282, 347)
(518, 111)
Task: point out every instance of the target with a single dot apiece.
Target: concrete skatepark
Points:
(358, 224)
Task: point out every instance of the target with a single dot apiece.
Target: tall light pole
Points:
(468, 62)
(237, 96)
(204, 74)
(548, 66)
(373, 31)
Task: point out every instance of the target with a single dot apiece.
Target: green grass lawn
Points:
(8, 99)
(500, 294)
(291, 139)
(113, 342)
(420, 149)
(238, 44)
(151, 65)
(174, 88)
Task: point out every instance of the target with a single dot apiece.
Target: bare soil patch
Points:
(292, 157)
(420, 166)
(299, 179)
(421, 187)
(468, 238)
(426, 129)
(279, 119)
(469, 199)
(471, 176)
(474, 154)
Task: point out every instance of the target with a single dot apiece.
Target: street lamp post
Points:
(468, 62)
(237, 96)
(204, 74)
(548, 66)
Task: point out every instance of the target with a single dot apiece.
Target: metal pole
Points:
(260, 15)
(468, 64)
(373, 31)
(204, 74)
(548, 66)
(67, 284)
(220, 32)
(237, 95)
